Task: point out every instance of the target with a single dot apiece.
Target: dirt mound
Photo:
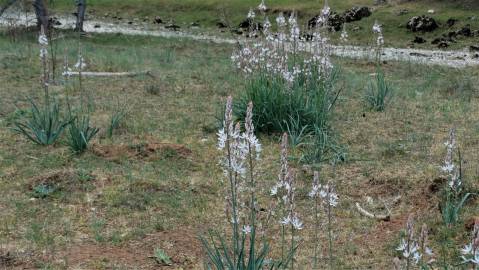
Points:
(149, 151)
(181, 245)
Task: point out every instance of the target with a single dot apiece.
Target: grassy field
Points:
(156, 183)
(209, 12)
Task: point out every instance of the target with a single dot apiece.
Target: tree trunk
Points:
(81, 10)
(42, 13)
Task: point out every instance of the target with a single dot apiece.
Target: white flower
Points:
(43, 53)
(251, 14)
(377, 28)
(80, 64)
(280, 20)
(344, 35)
(286, 220)
(43, 40)
(247, 229)
(467, 250)
(447, 168)
(297, 224)
(262, 7)
(221, 139)
(292, 19)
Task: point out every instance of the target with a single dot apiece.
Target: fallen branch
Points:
(107, 74)
(382, 217)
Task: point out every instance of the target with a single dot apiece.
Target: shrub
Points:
(379, 92)
(44, 123)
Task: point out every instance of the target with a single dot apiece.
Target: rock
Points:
(465, 31)
(335, 22)
(402, 12)
(195, 24)
(431, 11)
(380, 2)
(419, 40)
(221, 25)
(172, 26)
(474, 48)
(438, 40)
(442, 45)
(472, 18)
(237, 31)
(422, 23)
(356, 14)
(97, 26)
(130, 22)
(451, 22)
(54, 21)
(248, 24)
(157, 20)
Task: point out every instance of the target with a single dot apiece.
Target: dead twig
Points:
(382, 217)
(107, 74)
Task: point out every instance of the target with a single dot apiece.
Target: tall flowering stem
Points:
(378, 31)
(284, 191)
(241, 150)
(470, 252)
(43, 41)
(415, 250)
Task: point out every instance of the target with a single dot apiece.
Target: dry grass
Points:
(128, 206)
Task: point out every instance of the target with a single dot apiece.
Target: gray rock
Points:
(422, 24)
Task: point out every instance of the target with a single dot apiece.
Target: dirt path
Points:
(457, 59)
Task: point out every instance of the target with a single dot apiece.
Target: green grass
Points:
(209, 12)
(134, 204)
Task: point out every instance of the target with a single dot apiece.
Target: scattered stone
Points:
(380, 2)
(356, 14)
(438, 40)
(195, 24)
(402, 12)
(130, 22)
(221, 25)
(54, 21)
(248, 24)
(442, 45)
(237, 31)
(173, 27)
(422, 23)
(465, 31)
(106, 15)
(474, 48)
(472, 18)
(451, 22)
(419, 40)
(97, 26)
(335, 22)
(157, 20)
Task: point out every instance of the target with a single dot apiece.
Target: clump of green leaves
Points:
(115, 121)
(43, 124)
(161, 257)
(379, 92)
(81, 133)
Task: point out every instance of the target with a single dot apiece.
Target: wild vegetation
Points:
(258, 156)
